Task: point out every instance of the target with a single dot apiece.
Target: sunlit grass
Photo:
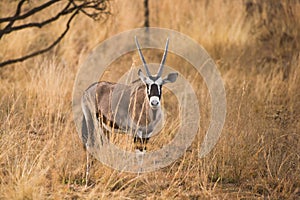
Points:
(257, 155)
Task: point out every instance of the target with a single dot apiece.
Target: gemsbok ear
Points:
(171, 78)
(142, 76)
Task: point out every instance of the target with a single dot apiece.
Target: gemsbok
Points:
(134, 109)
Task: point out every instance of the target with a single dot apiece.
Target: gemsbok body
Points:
(134, 109)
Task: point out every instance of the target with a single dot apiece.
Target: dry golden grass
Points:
(256, 47)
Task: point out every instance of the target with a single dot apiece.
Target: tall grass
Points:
(256, 47)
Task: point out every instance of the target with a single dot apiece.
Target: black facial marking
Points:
(160, 86)
(154, 90)
(147, 89)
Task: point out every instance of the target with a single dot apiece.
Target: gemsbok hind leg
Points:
(87, 131)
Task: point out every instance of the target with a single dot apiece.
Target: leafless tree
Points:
(95, 9)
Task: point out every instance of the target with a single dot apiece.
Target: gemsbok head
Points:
(134, 109)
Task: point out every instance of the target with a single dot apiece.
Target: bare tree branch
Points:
(11, 22)
(65, 11)
(42, 50)
(91, 8)
(146, 7)
(29, 13)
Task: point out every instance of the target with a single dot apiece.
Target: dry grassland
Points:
(256, 48)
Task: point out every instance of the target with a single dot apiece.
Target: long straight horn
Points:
(142, 57)
(161, 67)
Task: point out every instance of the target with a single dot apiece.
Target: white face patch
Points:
(159, 83)
(149, 82)
(154, 102)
